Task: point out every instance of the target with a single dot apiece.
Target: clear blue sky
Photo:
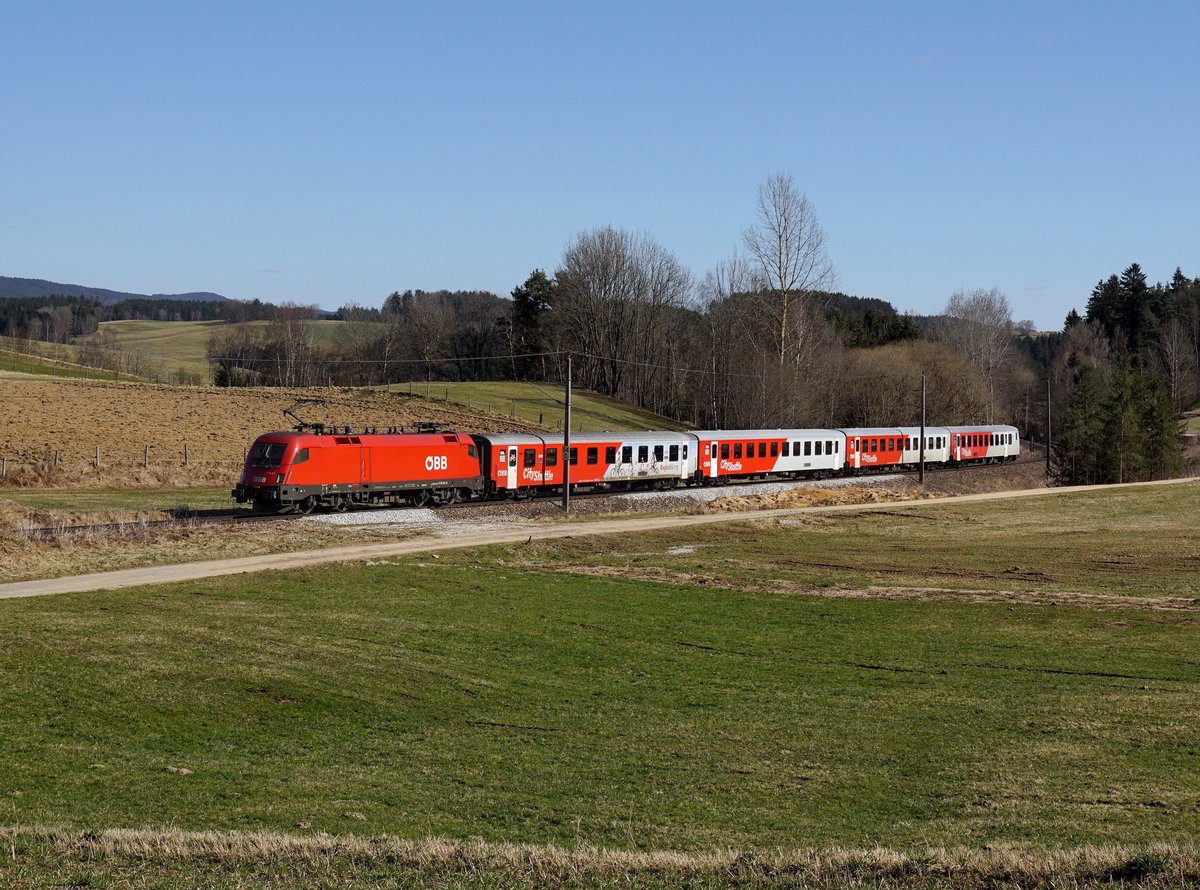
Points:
(327, 153)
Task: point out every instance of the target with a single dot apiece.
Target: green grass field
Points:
(543, 403)
(675, 691)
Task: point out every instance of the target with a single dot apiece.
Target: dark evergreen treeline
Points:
(1126, 369)
(59, 318)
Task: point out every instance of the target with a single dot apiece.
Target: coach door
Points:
(513, 471)
(713, 450)
(854, 446)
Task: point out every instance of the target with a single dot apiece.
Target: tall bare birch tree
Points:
(787, 245)
(978, 323)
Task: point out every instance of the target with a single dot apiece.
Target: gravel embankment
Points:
(500, 514)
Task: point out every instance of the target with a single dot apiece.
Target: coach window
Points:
(658, 454)
(817, 450)
(610, 455)
(685, 452)
(673, 454)
(574, 456)
(725, 451)
(774, 449)
(785, 449)
(503, 457)
(749, 449)
(593, 456)
(643, 453)
(552, 457)
(627, 454)
(530, 457)
(828, 447)
(737, 449)
(762, 449)
(301, 457)
(808, 449)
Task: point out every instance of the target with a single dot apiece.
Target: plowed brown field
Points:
(74, 417)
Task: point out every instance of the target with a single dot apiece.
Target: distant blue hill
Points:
(39, 287)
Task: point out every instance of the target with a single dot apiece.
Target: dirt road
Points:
(213, 568)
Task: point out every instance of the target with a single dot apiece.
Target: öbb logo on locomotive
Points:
(306, 469)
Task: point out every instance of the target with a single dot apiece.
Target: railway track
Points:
(236, 516)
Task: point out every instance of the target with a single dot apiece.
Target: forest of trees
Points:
(1124, 372)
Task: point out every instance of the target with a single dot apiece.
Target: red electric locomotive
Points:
(336, 469)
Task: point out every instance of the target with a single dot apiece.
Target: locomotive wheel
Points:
(342, 505)
(306, 506)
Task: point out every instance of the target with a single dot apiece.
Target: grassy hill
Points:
(842, 683)
(542, 404)
(184, 344)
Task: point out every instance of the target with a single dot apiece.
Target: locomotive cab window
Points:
(301, 457)
(593, 456)
(472, 451)
(552, 457)
(266, 455)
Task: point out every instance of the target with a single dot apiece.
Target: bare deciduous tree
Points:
(787, 245)
(617, 293)
(978, 323)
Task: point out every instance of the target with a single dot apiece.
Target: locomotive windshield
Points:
(266, 455)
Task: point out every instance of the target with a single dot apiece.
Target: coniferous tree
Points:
(1123, 456)
(1163, 450)
(1076, 456)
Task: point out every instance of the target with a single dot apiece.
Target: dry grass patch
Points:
(133, 544)
(785, 587)
(478, 861)
(73, 417)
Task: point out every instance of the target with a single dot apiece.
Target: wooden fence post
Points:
(3, 467)
(97, 457)
(146, 457)
(185, 454)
